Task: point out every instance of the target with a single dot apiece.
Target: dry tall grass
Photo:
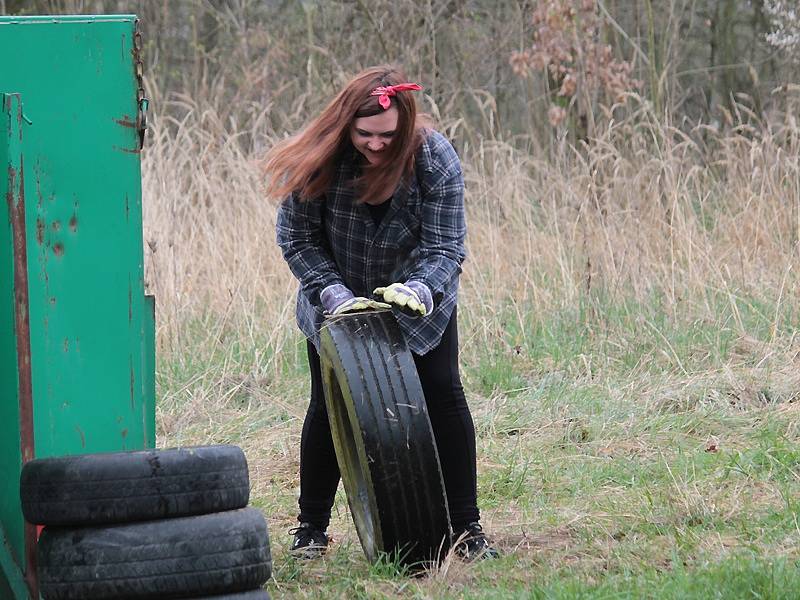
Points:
(644, 210)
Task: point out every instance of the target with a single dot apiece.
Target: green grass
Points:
(625, 450)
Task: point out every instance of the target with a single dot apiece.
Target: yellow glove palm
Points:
(403, 297)
(358, 304)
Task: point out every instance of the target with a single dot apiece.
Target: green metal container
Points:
(76, 330)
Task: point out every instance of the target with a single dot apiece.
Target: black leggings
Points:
(452, 428)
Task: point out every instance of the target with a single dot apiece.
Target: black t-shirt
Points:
(378, 211)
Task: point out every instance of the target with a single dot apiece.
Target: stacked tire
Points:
(149, 524)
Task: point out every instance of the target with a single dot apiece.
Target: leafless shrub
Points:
(567, 49)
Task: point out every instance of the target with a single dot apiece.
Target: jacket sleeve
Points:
(303, 243)
(443, 224)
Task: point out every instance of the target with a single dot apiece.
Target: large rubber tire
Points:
(120, 487)
(175, 558)
(383, 439)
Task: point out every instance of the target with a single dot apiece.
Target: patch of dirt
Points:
(555, 539)
(624, 447)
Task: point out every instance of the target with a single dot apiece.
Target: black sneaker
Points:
(471, 544)
(309, 541)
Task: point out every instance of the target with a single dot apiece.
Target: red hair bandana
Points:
(386, 92)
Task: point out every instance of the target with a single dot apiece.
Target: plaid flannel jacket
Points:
(334, 240)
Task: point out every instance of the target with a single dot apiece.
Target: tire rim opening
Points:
(354, 470)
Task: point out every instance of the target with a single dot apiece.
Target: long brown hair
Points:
(306, 162)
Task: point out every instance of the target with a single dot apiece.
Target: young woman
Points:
(373, 218)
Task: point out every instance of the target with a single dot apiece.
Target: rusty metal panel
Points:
(84, 227)
(76, 339)
(16, 420)
(76, 334)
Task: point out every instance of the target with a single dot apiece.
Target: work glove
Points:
(412, 298)
(337, 300)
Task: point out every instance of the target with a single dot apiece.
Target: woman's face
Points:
(372, 135)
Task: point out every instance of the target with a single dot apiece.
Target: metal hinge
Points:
(142, 103)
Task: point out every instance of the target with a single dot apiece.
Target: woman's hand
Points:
(358, 303)
(337, 300)
(411, 298)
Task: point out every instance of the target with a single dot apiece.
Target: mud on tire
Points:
(220, 553)
(119, 487)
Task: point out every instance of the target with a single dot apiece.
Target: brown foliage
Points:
(567, 47)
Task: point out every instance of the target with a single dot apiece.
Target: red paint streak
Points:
(12, 177)
(58, 249)
(128, 150)
(16, 208)
(126, 121)
(73, 224)
(22, 319)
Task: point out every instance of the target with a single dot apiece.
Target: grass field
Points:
(628, 321)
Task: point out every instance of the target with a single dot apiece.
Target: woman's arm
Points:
(302, 241)
(443, 224)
